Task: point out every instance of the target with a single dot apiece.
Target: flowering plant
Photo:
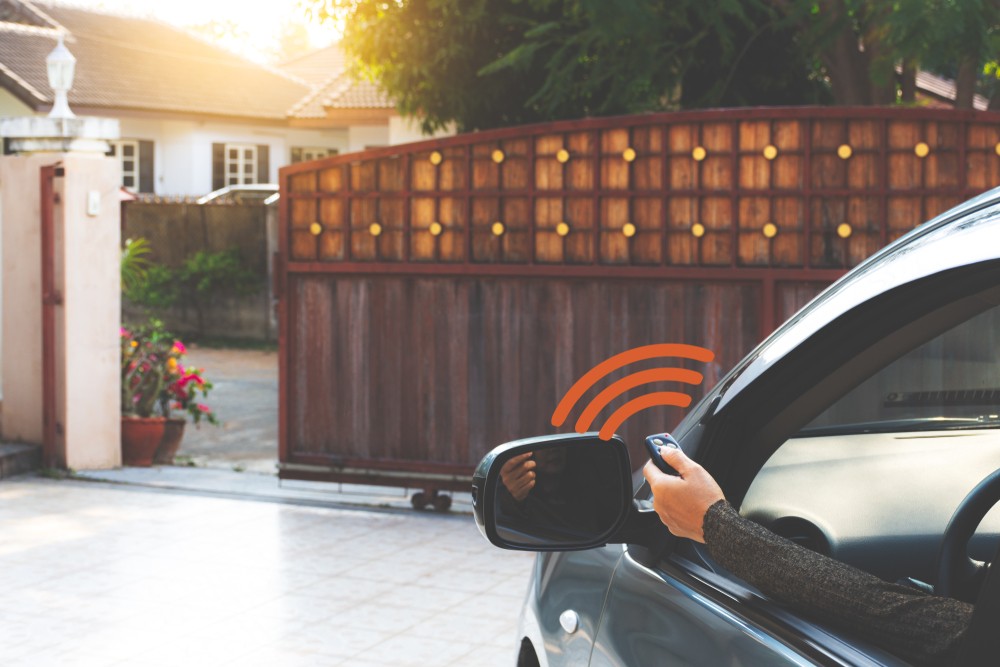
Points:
(155, 379)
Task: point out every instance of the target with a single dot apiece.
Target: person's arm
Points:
(907, 622)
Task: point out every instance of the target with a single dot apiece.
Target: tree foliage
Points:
(489, 63)
(858, 44)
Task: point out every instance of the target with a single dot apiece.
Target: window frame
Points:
(243, 175)
(118, 150)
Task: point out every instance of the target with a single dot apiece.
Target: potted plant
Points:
(155, 383)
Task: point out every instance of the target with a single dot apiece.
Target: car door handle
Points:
(569, 620)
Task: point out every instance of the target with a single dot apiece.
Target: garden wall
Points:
(177, 230)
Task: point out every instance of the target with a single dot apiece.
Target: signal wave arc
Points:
(637, 404)
(630, 382)
(595, 374)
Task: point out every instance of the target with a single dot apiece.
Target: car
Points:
(265, 193)
(866, 428)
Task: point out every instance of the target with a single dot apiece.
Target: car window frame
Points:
(691, 563)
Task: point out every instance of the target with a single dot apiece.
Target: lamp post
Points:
(60, 64)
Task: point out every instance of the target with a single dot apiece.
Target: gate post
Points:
(82, 209)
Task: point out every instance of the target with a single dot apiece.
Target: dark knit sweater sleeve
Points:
(907, 622)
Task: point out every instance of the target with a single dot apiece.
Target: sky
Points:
(261, 21)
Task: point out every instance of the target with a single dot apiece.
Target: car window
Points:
(874, 479)
(951, 382)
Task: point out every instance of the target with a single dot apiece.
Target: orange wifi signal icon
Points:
(618, 417)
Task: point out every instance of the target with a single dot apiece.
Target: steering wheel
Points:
(960, 576)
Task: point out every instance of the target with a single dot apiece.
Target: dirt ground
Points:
(245, 399)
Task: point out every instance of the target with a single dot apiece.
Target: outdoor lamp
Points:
(60, 64)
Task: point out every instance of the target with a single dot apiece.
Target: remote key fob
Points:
(653, 444)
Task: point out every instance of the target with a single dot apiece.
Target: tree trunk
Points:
(965, 84)
(908, 84)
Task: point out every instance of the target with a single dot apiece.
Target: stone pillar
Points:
(87, 234)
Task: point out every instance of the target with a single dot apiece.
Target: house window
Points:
(307, 153)
(241, 164)
(136, 159)
(127, 152)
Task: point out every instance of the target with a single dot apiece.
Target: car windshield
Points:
(950, 382)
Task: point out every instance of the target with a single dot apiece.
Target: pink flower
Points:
(179, 346)
(204, 408)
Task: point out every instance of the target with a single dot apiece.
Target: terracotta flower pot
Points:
(140, 438)
(173, 433)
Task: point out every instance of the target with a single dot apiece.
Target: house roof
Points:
(335, 87)
(317, 67)
(339, 93)
(136, 63)
(945, 89)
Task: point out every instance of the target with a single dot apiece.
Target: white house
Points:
(194, 117)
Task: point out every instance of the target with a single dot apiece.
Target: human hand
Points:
(518, 475)
(681, 502)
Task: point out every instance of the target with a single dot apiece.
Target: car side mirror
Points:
(554, 493)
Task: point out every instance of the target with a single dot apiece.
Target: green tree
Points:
(859, 43)
(489, 63)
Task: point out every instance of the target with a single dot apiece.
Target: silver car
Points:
(861, 429)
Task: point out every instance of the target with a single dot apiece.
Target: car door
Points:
(681, 608)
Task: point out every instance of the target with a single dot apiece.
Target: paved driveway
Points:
(98, 574)
(245, 397)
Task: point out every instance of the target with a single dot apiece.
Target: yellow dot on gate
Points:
(316, 229)
(844, 151)
(996, 148)
(498, 228)
(436, 158)
(562, 155)
(699, 153)
(562, 229)
(922, 149)
(628, 229)
(770, 152)
(628, 154)
(697, 230)
(770, 230)
(374, 229)
(436, 229)
(844, 230)
(497, 156)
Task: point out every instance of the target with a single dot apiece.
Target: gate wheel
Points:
(442, 503)
(419, 500)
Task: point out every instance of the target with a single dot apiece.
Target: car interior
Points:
(874, 478)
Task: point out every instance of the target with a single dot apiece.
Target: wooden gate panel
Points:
(439, 298)
(404, 369)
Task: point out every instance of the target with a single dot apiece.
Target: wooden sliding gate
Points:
(437, 299)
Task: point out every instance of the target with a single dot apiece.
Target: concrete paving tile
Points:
(471, 626)
(283, 655)
(297, 610)
(488, 656)
(344, 588)
(407, 650)
(387, 618)
(436, 599)
(328, 640)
